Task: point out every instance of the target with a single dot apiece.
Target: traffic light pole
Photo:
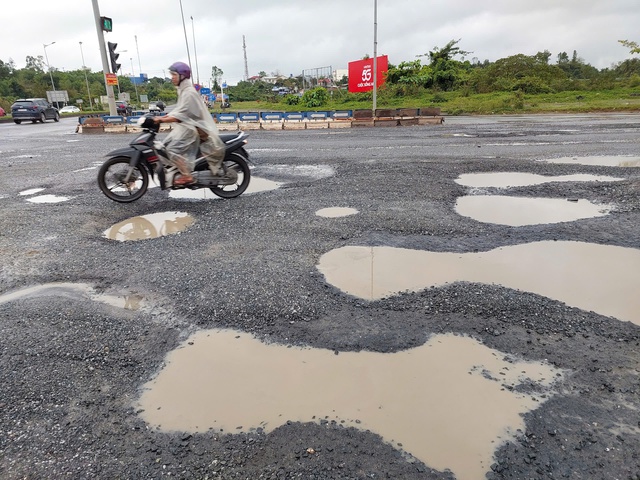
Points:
(105, 61)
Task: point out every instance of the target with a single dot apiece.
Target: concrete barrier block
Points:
(362, 114)
(385, 113)
(226, 126)
(408, 121)
(249, 125)
(430, 120)
(294, 126)
(317, 124)
(271, 125)
(407, 112)
(362, 123)
(430, 111)
(385, 123)
(340, 124)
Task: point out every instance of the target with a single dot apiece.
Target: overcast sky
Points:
(288, 36)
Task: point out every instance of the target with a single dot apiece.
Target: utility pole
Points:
(105, 62)
(375, 55)
(246, 65)
(184, 27)
(86, 79)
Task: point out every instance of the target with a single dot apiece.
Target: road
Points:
(346, 318)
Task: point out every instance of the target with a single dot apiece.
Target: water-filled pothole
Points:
(592, 277)
(604, 161)
(450, 402)
(520, 211)
(31, 191)
(256, 185)
(48, 199)
(520, 179)
(335, 212)
(127, 301)
(145, 227)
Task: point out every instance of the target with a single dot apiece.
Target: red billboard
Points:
(361, 73)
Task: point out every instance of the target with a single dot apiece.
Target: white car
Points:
(69, 109)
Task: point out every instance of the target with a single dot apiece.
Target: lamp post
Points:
(45, 45)
(184, 27)
(195, 52)
(86, 79)
(133, 77)
(375, 55)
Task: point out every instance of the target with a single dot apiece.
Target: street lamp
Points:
(195, 52)
(184, 27)
(86, 79)
(133, 78)
(375, 54)
(45, 45)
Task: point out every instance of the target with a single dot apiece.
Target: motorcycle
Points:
(124, 177)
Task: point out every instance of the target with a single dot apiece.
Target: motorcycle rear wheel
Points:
(236, 162)
(111, 180)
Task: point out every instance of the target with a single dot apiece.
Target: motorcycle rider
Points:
(194, 128)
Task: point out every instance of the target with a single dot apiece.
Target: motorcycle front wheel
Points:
(121, 182)
(239, 166)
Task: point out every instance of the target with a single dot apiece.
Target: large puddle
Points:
(520, 179)
(599, 278)
(520, 211)
(603, 161)
(256, 185)
(449, 403)
(145, 227)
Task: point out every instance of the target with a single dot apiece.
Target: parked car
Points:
(34, 109)
(156, 106)
(69, 109)
(123, 108)
(2, 112)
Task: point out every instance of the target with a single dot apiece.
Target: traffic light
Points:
(107, 24)
(113, 57)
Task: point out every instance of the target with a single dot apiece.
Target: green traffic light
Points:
(107, 24)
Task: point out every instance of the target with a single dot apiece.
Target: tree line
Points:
(443, 69)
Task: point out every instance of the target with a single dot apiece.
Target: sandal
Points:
(184, 180)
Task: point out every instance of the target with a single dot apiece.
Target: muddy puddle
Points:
(603, 161)
(78, 291)
(522, 179)
(336, 212)
(150, 226)
(592, 277)
(256, 185)
(521, 211)
(448, 403)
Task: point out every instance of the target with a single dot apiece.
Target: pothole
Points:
(150, 226)
(603, 161)
(521, 211)
(127, 301)
(48, 199)
(336, 212)
(256, 185)
(451, 402)
(31, 191)
(520, 179)
(592, 277)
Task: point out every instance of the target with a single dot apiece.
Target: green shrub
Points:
(316, 97)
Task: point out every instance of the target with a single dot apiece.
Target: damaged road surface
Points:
(433, 302)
